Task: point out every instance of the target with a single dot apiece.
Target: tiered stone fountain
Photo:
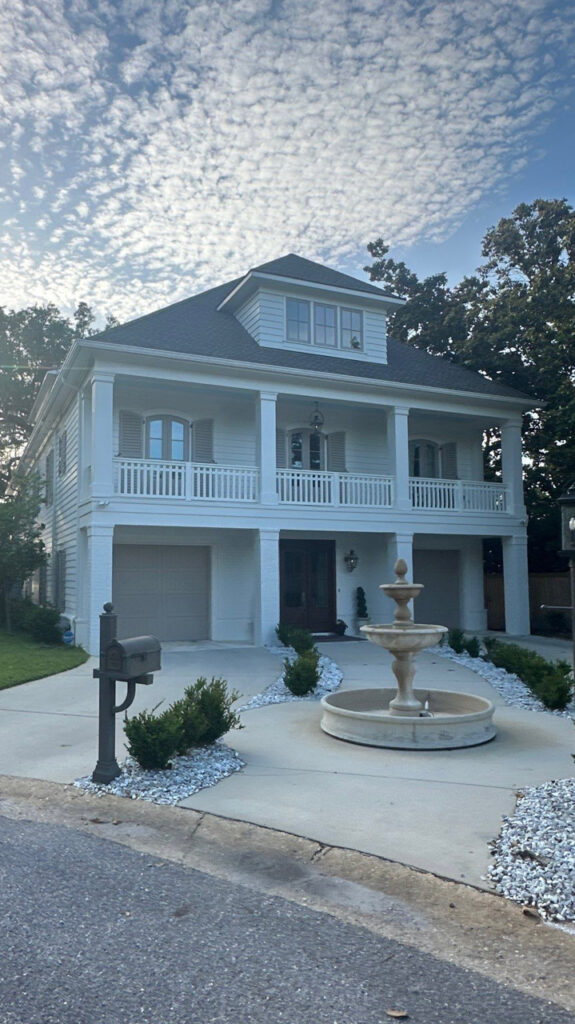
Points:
(407, 718)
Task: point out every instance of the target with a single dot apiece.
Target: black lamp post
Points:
(567, 505)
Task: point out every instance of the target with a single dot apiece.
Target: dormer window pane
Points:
(325, 320)
(297, 320)
(351, 329)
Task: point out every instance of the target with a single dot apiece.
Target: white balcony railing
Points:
(190, 481)
(306, 487)
(457, 495)
(149, 478)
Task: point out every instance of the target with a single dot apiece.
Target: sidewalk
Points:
(434, 810)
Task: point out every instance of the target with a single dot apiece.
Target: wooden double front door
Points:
(307, 584)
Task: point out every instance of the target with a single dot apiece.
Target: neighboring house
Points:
(211, 466)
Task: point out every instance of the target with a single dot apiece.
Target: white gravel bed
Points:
(202, 768)
(535, 851)
(278, 693)
(534, 854)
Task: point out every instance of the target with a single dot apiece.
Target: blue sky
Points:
(153, 148)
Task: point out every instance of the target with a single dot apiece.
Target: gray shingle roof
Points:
(299, 269)
(195, 326)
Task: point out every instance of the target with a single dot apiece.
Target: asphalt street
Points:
(97, 933)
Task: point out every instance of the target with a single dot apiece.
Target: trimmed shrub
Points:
(472, 646)
(153, 739)
(456, 640)
(302, 675)
(548, 680)
(360, 603)
(201, 716)
(206, 712)
(40, 621)
(292, 636)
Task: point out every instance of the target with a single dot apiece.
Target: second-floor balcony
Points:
(197, 482)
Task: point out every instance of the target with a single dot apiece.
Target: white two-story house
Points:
(257, 452)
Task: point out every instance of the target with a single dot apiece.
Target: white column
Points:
(516, 585)
(512, 466)
(472, 600)
(268, 599)
(399, 449)
(98, 583)
(266, 420)
(102, 448)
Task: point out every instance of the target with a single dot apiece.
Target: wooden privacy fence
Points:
(544, 588)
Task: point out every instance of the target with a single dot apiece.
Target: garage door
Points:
(439, 600)
(162, 590)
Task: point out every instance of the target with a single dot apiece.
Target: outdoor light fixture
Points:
(567, 506)
(351, 560)
(316, 419)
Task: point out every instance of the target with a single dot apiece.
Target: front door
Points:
(307, 584)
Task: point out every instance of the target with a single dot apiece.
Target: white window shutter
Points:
(336, 452)
(280, 449)
(449, 461)
(203, 441)
(131, 446)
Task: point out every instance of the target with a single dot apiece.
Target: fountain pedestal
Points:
(407, 719)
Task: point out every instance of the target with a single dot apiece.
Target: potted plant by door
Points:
(361, 608)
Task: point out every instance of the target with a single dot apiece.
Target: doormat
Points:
(327, 638)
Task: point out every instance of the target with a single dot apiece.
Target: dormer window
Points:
(324, 325)
(298, 320)
(351, 329)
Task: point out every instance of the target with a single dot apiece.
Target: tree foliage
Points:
(21, 546)
(512, 321)
(32, 342)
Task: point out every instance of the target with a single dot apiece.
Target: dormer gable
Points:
(295, 304)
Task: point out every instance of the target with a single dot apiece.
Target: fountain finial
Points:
(400, 570)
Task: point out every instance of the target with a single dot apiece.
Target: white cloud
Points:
(159, 146)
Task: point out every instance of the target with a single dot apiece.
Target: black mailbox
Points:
(132, 658)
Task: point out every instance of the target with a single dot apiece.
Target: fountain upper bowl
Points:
(399, 638)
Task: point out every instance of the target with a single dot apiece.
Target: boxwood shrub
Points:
(548, 680)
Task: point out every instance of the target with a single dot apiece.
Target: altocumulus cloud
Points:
(153, 147)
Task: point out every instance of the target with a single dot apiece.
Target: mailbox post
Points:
(132, 661)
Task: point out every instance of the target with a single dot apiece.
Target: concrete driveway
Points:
(435, 810)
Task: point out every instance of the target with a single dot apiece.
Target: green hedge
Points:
(292, 636)
(548, 680)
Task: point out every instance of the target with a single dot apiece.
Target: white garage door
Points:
(439, 600)
(162, 589)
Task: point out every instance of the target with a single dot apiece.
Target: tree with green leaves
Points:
(33, 341)
(514, 322)
(21, 547)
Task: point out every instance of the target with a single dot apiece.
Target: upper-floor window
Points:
(167, 439)
(351, 329)
(297, 312)
(428, 459)
(324, 325)
(306, 450)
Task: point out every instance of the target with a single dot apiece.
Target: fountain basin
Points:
(454, 720)
(409, 637)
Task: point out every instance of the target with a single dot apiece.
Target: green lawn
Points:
(22, 659)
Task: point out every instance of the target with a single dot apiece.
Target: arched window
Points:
(306, 449)
(167, 438)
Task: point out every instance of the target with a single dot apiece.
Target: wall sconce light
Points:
(351, 560)
(316, 419)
